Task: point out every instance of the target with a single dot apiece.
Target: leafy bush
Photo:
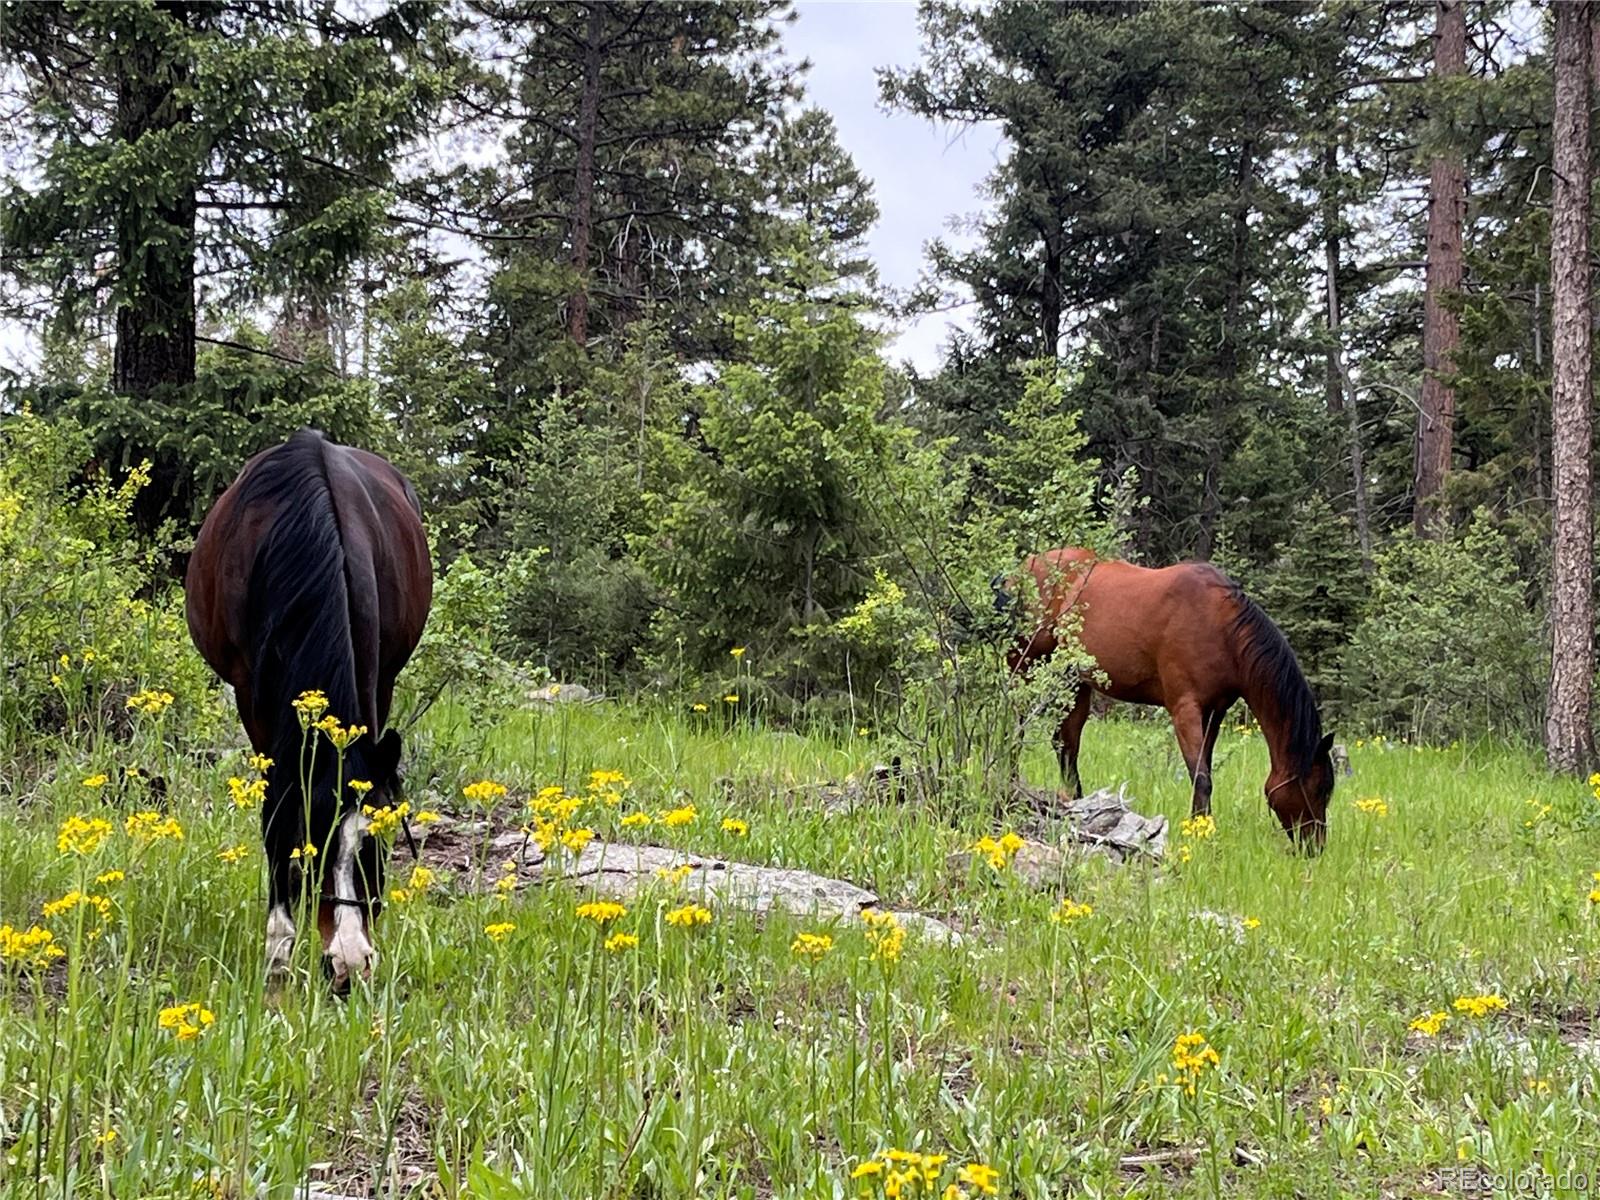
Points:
(1451, 644)
(86, 621)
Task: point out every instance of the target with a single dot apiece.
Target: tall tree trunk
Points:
(583, 184)
(153, 355)
(1569, 733)
(155, 239)
(1050, 299)
(1341, 396)
(1447, 201)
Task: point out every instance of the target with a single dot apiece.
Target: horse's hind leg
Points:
(1067, 740)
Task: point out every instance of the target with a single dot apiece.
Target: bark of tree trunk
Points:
(1447, 199)
(583, 184)
(1569, 731)
(1050, 301)
(155, 337)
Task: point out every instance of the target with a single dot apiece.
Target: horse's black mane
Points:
(299, 609)
(1268, 658)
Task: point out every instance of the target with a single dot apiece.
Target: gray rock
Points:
(622, 871)
(561, 693)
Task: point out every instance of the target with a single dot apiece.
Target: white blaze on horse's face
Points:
(280, 940)
(350, 952)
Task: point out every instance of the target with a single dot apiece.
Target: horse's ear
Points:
(1325, 745)
(386, 756)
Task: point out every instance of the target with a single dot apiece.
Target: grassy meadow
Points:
(508, 1046)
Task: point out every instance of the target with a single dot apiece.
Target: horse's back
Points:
(386, 567)
(1151, 630)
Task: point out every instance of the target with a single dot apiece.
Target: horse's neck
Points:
(1275, 728)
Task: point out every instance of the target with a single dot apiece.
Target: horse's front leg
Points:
(280, 922)
(1196, 728)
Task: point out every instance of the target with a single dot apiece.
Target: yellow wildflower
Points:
(737, 652)
(500, 930)
(871, 1167)
(998, 852)
(233, 854)
(1070, 910)
(1373, 806)
(1429, 1024)
(150, 826)
(731, 698)
(1480, 1006)
(688, 916)
(885, 933)
(619, 942)
(246, 795)
(1199, 828)
(422, 878)
(259, 762)
(679, 816)
(382, 822)
(1191, 1057)
(96, 781)
(33, 947)
(635, 819)
(699, 707)
(735, 826)
(814, 946)
(74, 898)
(340, 735)
(306, 851)
(574, 840)
(601, 912)
(113, 876)
(485, 791)
(1252, 922)
(427, 817)
(82, 835)
(187, 1021)
(675, 874)
(309, 705)
(150, 701)
(981, 1176)
(361, 786)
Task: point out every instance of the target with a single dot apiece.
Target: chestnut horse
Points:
(312, 573)
(1187, 638)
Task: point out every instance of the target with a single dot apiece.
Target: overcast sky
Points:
(923, 174)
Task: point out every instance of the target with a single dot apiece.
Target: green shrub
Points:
(1451, 644)
(86, 621)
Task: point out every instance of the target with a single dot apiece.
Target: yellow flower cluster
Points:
(608, 786)
(907, 1173)
(484, 792)
(32, 947)
(151, 702)
(112, 876)
(1540, 812)
(74, 898)
(1070, 911)
(601, 912)
(233, 854)
(1199, 828)
(1480, 1006)
(1594, 892)
(151, 826)
(1191, 1058)
(187, 1021)
(309, 850)
(675, 875)
(309, 705)
(552, 809)
(97, 781)
(678, 817)
(507, 883)
(635, 820)
(813, 946)
(383, 822)
(998, 853)
(422, 878)
(1429, 1024)
(688, 916)
(246, 795)
(618, 942)
(885, 934)
(82, 835)
(1374, 806)
(340, 735)
(500, 930)
(259, 763)
(735, 826)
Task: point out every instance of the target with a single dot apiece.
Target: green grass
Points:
(714, 1063)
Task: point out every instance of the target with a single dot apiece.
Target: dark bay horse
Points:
(311, 572)
(1187, 638)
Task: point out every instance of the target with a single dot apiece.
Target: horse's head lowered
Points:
(1301, 797)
